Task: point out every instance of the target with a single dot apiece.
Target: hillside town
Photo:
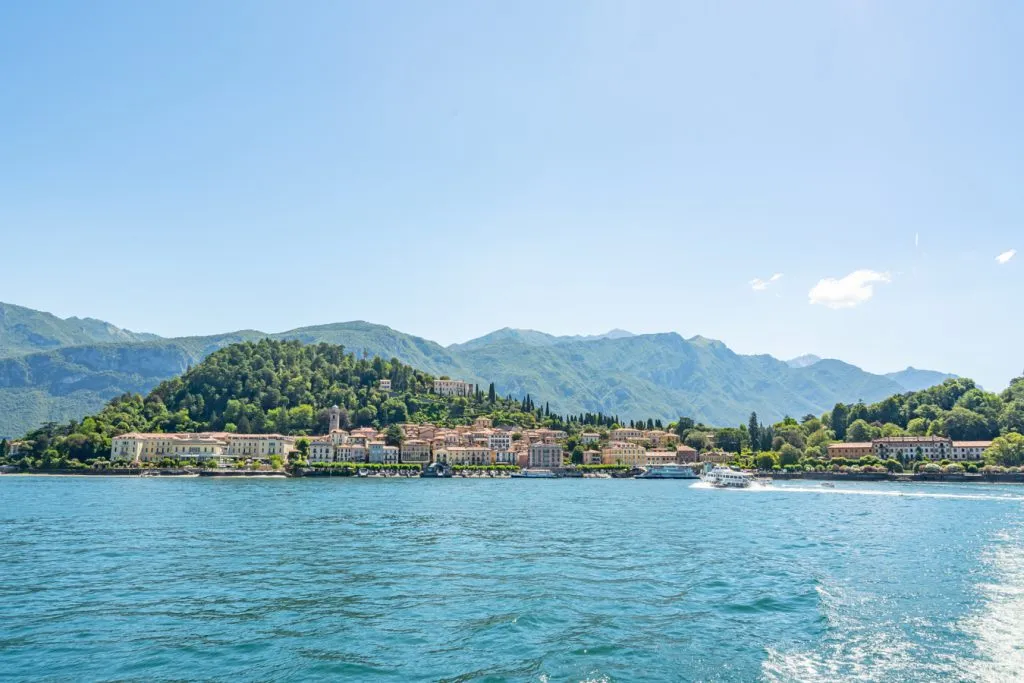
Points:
(483, 444)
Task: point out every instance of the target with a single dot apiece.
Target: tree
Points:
(917, 426)
(765, 461)
(1012, 417)
(302, 446)
(1006, 450)
(966, 425)
(789, 455)
(840, 415)
(491, 396)
(754, 433)
(859, 430)
(684, 425)
(393, 435)
(697, 440)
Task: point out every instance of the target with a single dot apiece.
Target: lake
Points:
(536, 580)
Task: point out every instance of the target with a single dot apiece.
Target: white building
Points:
(969, 450)
(499, 440)
(202, 446)
(452, 387)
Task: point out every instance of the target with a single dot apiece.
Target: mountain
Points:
(804, 361)
(648, 375)
(23, 330)
(913, 379)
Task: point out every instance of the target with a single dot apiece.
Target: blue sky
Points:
(450, 168)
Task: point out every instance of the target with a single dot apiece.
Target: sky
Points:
(840, 177)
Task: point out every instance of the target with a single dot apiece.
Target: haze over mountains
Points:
(55, 370)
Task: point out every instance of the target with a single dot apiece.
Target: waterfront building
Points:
(462, 455)
(505, 457)
(850, 451)
(350, 452)
(623, 453)
(452, 387)
(416, 451)
(375, 451)
(390, 455)
(592, 457)
(907, 448)
(660, 458)
(321, 450)
(969, 450)
(545, 455)
(201, 446)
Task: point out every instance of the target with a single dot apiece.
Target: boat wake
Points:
(1001, 497)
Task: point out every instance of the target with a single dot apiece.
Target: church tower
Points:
(335, 418)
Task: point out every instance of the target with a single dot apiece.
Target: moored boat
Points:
(534, 474)
(667, 472)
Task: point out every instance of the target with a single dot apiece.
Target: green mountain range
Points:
(56, 370)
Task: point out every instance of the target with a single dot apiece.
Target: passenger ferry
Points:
(534, 474)
(725, 478)
(667, 472)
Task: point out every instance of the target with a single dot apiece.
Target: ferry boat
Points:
(667, 472)
(725, 478)
(534, 474)
(438, 470)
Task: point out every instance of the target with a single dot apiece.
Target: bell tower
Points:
(335, 418)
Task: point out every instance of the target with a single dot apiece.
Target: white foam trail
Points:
(998, 629)
(1005, 497)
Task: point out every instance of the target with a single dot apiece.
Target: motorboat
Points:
(726, 478)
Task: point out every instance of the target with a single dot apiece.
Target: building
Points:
(499, 441)
(375, 451)
(463, 455)
(385, 385)
(907, 448)
(660, 458)
(483, 423)
(591, 457)
(587, 438)
(625, 434)
(686, 454)
(416, 451)
(505, 457)
(716, 457)
(622, 453)
(201, 446)
(969, 450)
(850, 451)
(452, 387)
(390, 455)
(545, 455)
(350, 452)
(321, 450)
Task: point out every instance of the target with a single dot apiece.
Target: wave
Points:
(998, 497)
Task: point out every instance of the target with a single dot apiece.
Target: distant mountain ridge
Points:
(647, 375)
(23, 330)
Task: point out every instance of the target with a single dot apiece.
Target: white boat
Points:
(534, 474)
(667, 472)
(828, 484)
(726, 478)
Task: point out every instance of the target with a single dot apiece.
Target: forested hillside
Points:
(277, 386)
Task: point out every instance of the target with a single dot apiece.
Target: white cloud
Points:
(759, 285)
(847, 292)
(1006, 256)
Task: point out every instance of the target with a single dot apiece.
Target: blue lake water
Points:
(563, 580)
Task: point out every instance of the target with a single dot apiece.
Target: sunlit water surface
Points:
(563, 580)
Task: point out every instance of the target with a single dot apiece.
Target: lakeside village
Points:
(484, 449)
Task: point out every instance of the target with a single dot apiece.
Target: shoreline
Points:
(933, 477)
